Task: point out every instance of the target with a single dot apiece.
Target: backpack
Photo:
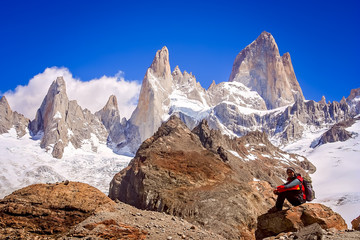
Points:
(309, 190)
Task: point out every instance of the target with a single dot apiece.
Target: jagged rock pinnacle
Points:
(261, 68)
(4, 103)
(111, 103)
(323, 100)
(161, 64)
(57, 116)
(10, 119)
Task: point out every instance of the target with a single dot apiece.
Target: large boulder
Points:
(356, 223)
(296, 218)
(69, 210)
(48, 209)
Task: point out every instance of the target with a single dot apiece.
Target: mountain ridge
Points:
(231, 106)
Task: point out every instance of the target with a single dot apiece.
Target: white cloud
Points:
(92, 95)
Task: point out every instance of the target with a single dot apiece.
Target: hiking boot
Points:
(273, 210)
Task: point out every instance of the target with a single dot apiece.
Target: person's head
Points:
(290, 171)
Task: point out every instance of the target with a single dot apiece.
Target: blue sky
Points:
(96, 38)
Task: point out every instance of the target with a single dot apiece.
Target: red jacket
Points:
(298, 187)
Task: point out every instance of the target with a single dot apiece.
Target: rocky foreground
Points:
(72, 210)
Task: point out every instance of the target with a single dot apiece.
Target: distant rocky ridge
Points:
(337, 132)
(61, 122)
(10, 119)
(206, 177)
(240, 105)
(354, 100)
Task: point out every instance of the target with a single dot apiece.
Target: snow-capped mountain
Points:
(61, 122)
(261, 68)
(9, 119)
(262, 94)
(65, 141)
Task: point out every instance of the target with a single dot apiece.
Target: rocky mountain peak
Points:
(58, 86)
(211, 139)
(109, 114)
(323, 100)
(5, 107)
(61, 121)
(354, 101)
(161, 65)
(343, 100)
(173, 124)
(112, 103)
(154, 95)
(261, 68)
(177, 75)
(213, 84)
(176, 71)
(354, 93)
(265, 39)
(10, 119)
(3, 101)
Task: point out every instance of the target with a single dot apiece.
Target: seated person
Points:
(293, 190)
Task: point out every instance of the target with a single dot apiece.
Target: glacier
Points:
(24, 162)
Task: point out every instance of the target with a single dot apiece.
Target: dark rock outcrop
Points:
(296, 218)
(356, 223)
(9, 119)
(337, 132)
(184, 173)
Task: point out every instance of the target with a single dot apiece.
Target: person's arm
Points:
(293, 183)
(286, 187)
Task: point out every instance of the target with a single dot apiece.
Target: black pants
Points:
(294, 197)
